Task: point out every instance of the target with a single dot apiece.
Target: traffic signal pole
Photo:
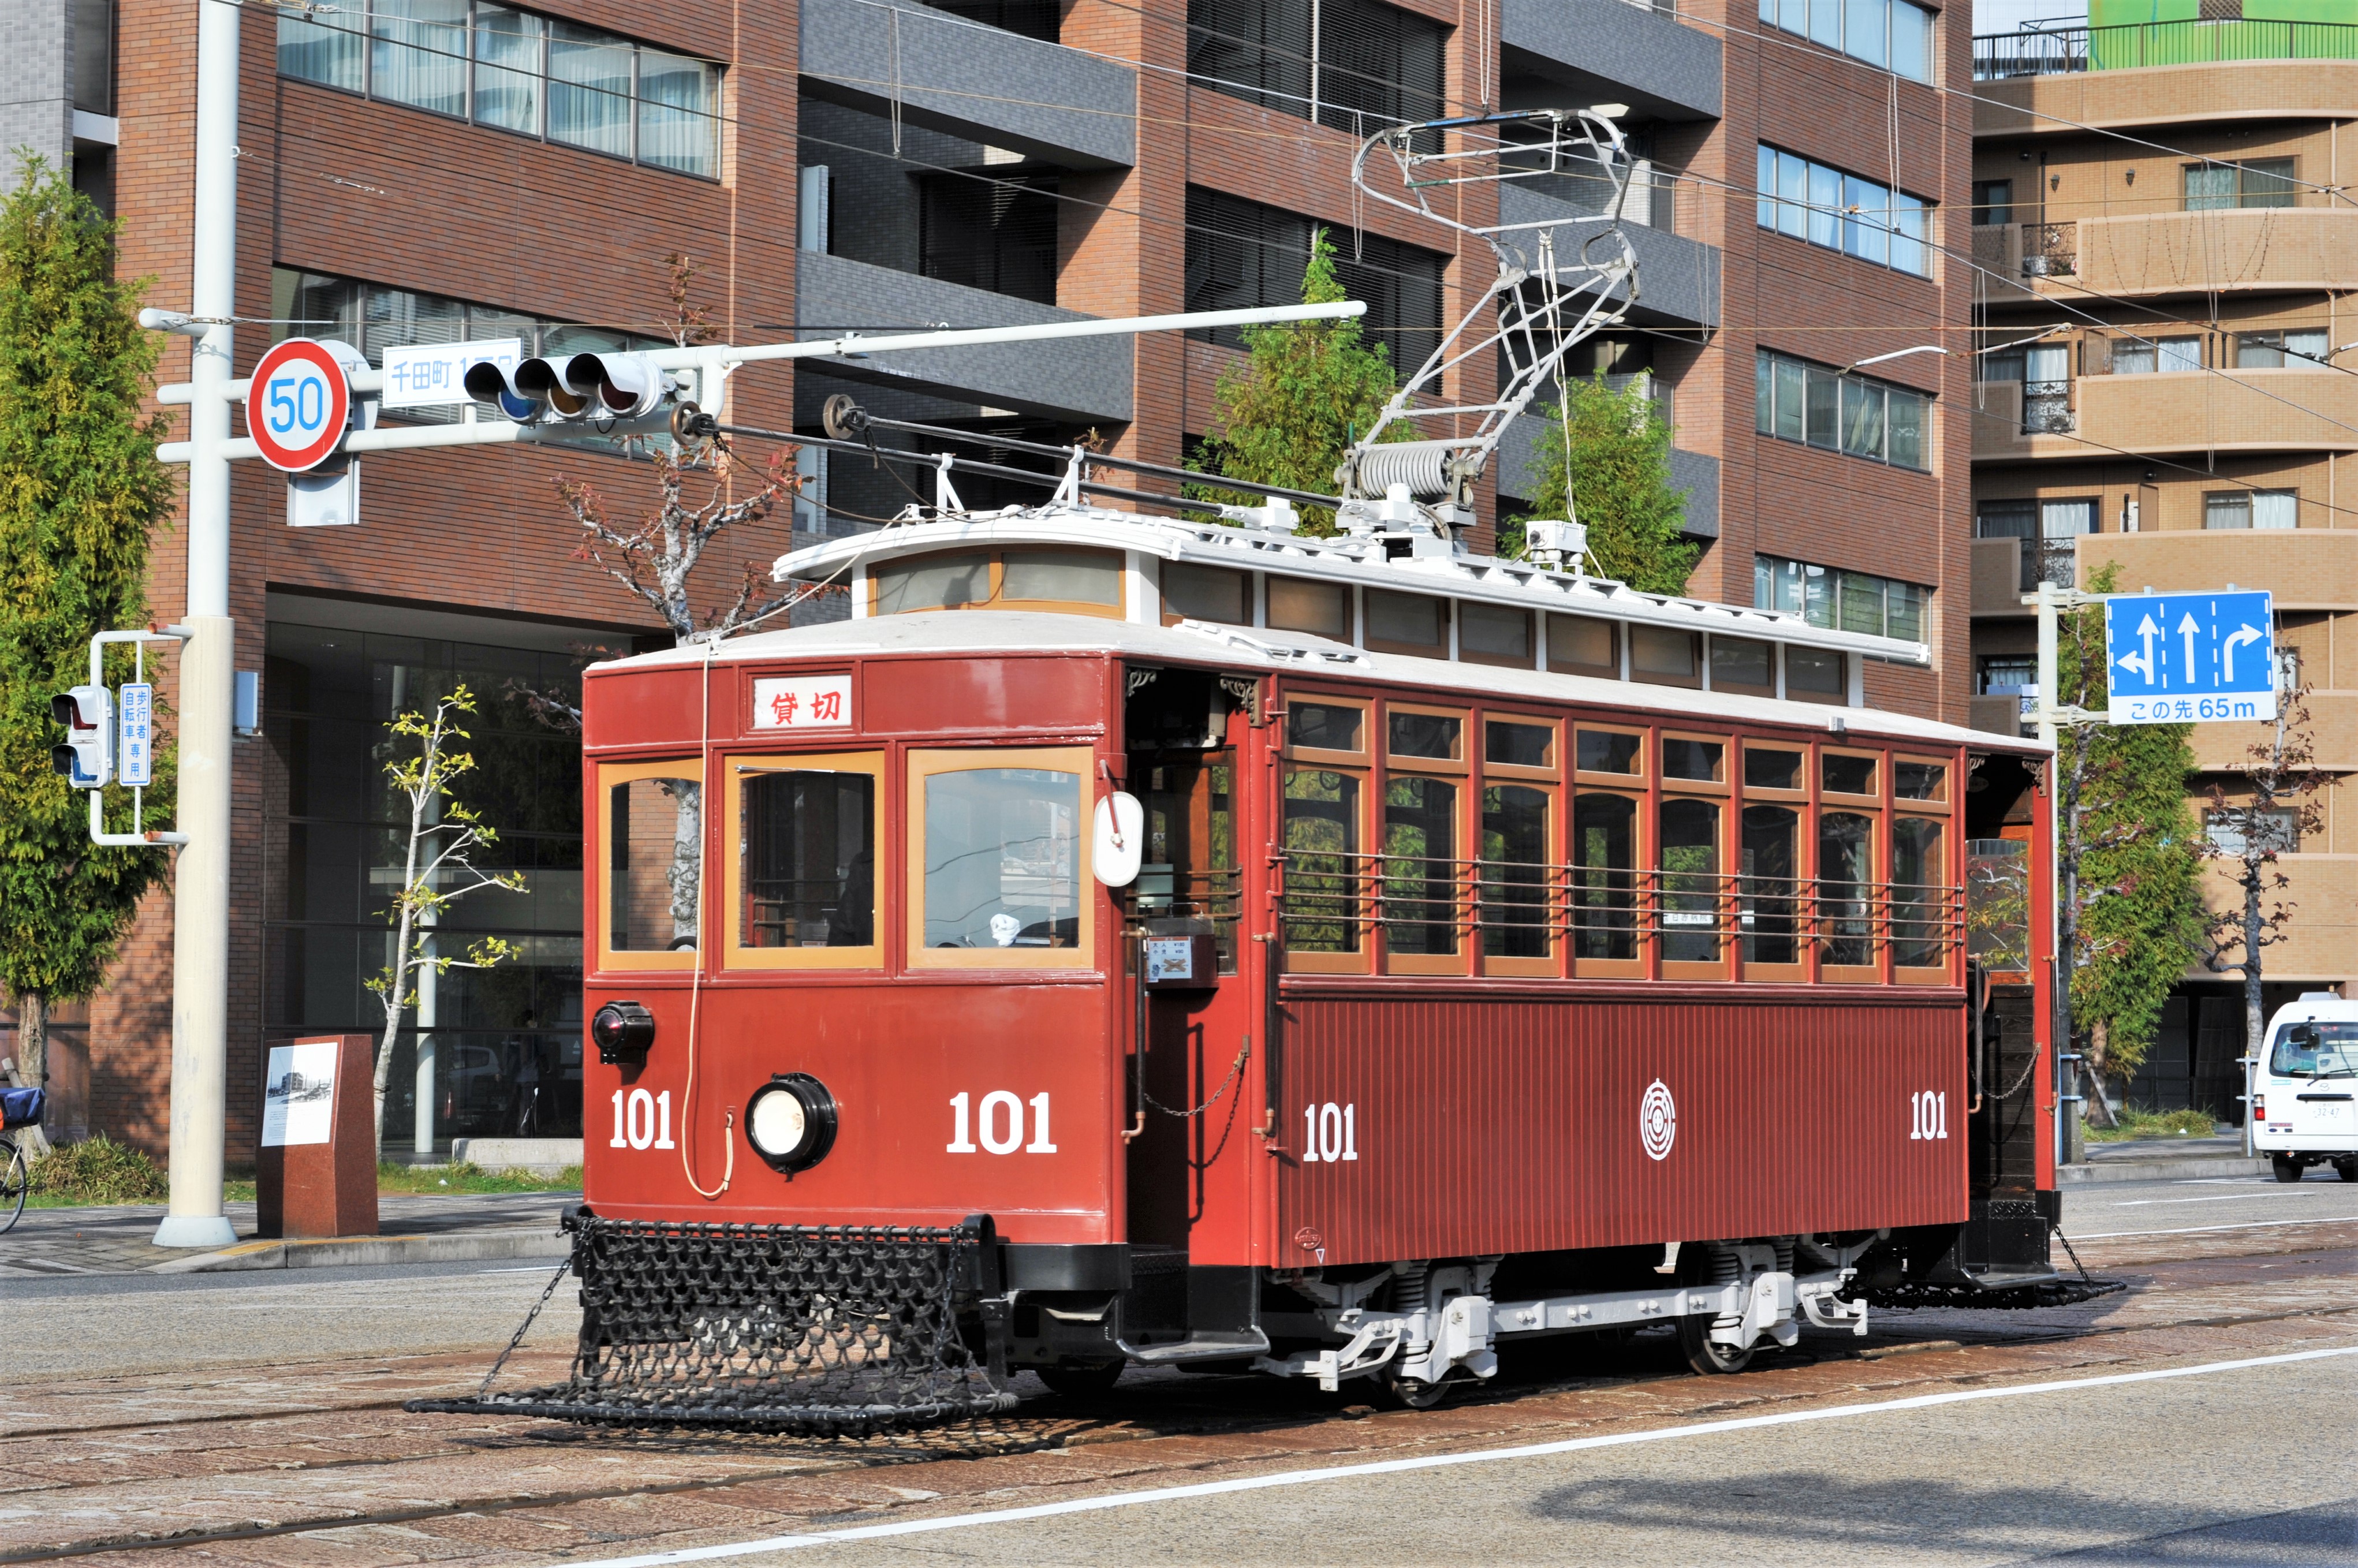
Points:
(207, 666)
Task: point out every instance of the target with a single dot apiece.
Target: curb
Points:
(467, 1246)
(2184, 1168)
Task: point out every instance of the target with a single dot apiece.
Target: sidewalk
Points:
(414, 1229)
(2162, 1160)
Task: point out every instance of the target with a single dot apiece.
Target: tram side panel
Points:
(1450, 1127)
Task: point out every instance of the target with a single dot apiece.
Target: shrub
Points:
(97, 1170)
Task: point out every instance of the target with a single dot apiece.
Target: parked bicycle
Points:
(19, 1109)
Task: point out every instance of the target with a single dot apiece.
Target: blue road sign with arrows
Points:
(2174, 658)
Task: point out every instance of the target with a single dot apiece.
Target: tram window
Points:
(933, 582)
(1606, 752)
(1408, 623)
(1321, 608)
(1438, 735)
(1322, 862)
(1493, 634)
(1664, 655)
(1603, 877)
(1918, 893)
(1740, 664)
(1514, 745)
(1420, 865)
(1703, 759)
(1815, 674)
(1061, 577)
(1842, 775)
(654, 862)
(1514, 871)
(1771, 767)
(1582, 646)
(1002, 858)
(1766, 897)
(1846, 887)
(1690, 881)
(1919, 780)
(1206, 593)
(1323, 725)
(807, 861)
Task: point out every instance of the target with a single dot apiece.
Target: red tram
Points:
(1130, 939)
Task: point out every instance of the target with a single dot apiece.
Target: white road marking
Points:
(1433, 1462)
(2198, 1229)
(2317, 1191)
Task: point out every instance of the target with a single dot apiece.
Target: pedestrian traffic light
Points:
(573, 387)
(87, 759)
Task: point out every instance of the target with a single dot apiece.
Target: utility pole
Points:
(2050, 716)
(208, 663)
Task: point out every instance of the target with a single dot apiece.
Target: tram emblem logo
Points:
(1658, 1120)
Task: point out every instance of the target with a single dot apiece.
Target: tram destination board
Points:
(2176, 658)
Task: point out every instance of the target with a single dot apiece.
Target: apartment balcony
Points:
(1079, 380)
(2167, 413)
(2055, 103)
(2306, 569)
(2140, 45)
(2150, 255)
(2006, 569)
(1597, 51)
(951, 75)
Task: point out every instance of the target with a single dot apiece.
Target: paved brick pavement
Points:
(117, 1240)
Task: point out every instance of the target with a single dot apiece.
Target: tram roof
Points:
(1358, 559)
(1298, 656)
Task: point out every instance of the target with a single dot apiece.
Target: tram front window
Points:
(809, 860)
(654, 864)
(1002, 858)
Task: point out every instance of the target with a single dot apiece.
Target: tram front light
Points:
(790, 1121)
(623, 1031)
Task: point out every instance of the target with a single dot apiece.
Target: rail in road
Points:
(308, 1459)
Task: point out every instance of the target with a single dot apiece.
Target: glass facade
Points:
(506, 1041)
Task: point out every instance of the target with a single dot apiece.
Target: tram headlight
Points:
(790, 1121)
(623, 1031)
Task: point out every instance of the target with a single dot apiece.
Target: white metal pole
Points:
(208, 663)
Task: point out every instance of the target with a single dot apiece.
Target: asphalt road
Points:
(2108, 1210)
(2255, 1466)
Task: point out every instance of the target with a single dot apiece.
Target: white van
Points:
(2303, 1108)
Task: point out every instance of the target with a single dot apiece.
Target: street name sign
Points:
(425, 375)
(2176, 658)
(297, 404)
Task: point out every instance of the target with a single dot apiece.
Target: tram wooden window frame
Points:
(735, 770)
(1637, 780)
(1359, 765)
(1875, 809)
(920, 763)
(681, 960)
(1550, 781)
(1609, 670)
(1277, 585)
(1943, 811)
(1642, 830)
(1443, 609)
(1643, 677)
(995, 556)
(1459, 772)
(1469, 609)
(1244, 582)
(1716, 791)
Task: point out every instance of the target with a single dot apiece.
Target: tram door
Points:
(1197, 1122)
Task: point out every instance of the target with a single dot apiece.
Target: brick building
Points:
(421, 170)
(2168, 392)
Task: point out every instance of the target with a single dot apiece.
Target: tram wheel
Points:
(2288, 1169)
(1080, 1379)
(1698, 1265)
(1414, 1393)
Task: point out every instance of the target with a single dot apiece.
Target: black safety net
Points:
(847, 1330)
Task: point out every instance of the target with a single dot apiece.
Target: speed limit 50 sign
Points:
(297, 404)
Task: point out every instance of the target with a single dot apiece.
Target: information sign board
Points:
(2176, 658)
(134, 749)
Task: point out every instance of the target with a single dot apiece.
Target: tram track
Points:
(334, 1468)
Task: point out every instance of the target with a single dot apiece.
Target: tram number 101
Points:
(642, 1121)
(1930, 1110)
(1000, 1123)
(1330, 1133)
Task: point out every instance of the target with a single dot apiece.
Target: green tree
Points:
(2130, 857)
(1616, 448)
(1302, 394)
(81, 492)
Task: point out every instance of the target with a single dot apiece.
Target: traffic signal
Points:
(87, 759)
(573, 387)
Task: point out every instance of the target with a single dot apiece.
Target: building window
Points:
(2251, 509)
(2303, 347)
(1040, 19)
(1827, 596)
(1356, 65)
(1842, 211)
(1796, 401)
(2262, 182)
(1993, 201)
(514, 70)
(2005, 675)
(2048, 530)
(373, 319)
(2162, 354)
(1241, 254)
(999, 235)
(2231, 828)
(1891, 34)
